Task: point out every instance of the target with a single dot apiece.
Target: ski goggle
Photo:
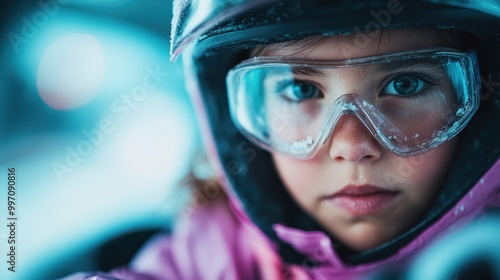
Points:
(410, 102)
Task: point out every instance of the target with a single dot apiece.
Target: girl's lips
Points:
(362, 200)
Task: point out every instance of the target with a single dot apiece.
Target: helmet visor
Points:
(411, 102)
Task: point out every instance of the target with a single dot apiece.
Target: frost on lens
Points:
(302, 146)
(460, 112)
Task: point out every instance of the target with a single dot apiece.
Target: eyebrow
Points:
(397, 65)
(364, 71)
(308, 71)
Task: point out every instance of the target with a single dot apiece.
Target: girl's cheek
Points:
(423, 171)
(292, 171)
(297, 175)
(408, 170)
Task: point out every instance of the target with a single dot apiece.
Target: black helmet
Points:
(214, 36)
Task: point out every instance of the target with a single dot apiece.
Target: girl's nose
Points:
(351, 141)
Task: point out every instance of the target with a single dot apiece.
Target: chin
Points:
(363, 235)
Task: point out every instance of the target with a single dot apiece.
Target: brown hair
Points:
(203, 184)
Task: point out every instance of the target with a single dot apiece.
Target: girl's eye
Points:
(404, 86)
(300, 91)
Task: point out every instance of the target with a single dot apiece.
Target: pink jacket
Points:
(220, 242)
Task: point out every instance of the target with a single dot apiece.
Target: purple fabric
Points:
(219, 242)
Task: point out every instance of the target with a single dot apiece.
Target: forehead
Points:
(358, 44)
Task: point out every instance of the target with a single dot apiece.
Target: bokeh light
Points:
(98, 124)
(160, 131)
(71, 71)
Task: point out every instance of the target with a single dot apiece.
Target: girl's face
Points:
(360, 192)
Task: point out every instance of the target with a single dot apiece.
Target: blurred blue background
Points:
(98, 125)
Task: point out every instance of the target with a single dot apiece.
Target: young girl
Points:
(346, 137)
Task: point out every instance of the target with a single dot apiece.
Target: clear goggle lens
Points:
(411, 102)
